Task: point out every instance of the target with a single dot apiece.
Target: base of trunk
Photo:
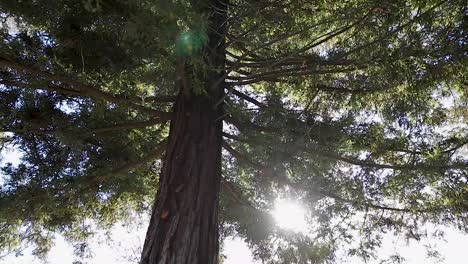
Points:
(184, 225)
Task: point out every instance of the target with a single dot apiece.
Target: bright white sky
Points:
(124, 241)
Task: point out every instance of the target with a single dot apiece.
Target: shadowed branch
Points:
(243, 159)
(56, 82)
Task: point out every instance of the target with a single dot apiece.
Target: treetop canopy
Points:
(356, 108)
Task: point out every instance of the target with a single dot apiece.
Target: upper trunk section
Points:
(184, 221)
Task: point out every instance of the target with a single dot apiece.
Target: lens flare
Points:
(290, 215)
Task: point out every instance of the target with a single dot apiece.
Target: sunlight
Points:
(290, 215)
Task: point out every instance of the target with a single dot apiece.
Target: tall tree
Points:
(356, 108)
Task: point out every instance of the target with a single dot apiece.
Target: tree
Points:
(339, 104)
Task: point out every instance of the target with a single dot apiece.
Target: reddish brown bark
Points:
(184, 223)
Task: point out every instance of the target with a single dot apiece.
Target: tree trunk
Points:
(184, 222)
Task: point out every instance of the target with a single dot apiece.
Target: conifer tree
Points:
(204, 112)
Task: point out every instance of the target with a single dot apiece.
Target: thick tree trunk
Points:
(184, 222)
(184, 225)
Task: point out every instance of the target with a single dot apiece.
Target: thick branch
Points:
(371, 164)
(343, 90)
(47, 87)
(351, 160)
(84, 89)
(289, 72)
(28, 130)
(155, 154)
(305, 60)
(316, 42)
(91, 180)
(123, 126)
(247, 98)
(132, 125)
(161, 99)
(235, 193)
(234, 137)
(241, 125)
(242, 158)
(371, 205)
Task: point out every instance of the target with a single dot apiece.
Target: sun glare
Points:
(290, 215)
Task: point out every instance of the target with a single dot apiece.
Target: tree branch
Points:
(396, 30)
(327, 36)
(122, 126)
(241, 125)
(289, 72)
(362, 163)
(155, 154)
(371, 205)
(371, 164)
(131, 125)
(235, 193)
(160, 99)
(248, 98)
(305, 60)
(343, 90)
(91, 180)
(83, 89)
(47, 87)
(242, 158)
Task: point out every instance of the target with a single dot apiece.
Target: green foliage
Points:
(356, 108)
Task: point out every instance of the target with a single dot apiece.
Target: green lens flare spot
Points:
(191, 42)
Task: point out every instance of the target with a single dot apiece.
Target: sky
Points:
(122, 246)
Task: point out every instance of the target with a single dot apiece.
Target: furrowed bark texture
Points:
(184, 223)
